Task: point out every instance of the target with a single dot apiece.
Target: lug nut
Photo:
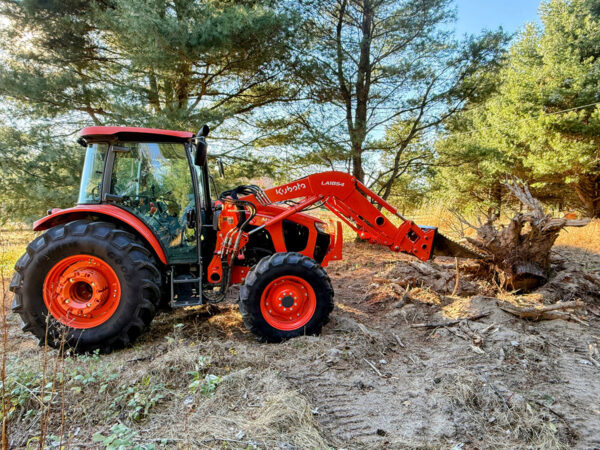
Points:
(89, 304)
(67, 301)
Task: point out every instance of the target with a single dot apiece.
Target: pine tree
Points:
(173, 64)
(543, 124)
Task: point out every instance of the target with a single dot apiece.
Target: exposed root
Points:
(519, 252)
(563, 310)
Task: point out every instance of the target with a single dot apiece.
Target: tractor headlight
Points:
(321, 227)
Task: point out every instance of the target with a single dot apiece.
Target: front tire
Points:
(284, 296)
(88, 285)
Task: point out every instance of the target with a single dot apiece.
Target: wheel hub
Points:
(288, 303)
(82, 291)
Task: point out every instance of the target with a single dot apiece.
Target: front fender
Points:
(59, 216)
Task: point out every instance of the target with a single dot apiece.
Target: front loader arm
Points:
(354, 204)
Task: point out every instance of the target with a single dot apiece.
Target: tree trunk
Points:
(588, 190)
(497, 197)
(356, 119)
(357, 168)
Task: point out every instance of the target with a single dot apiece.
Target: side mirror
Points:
(220, 168)
(201, 146)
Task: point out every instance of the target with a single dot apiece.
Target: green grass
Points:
(12, 245)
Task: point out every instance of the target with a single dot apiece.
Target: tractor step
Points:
(191, 301)
(186, 290)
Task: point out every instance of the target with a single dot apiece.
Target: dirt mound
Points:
(571, 283)
(406, 279)
(429, 282)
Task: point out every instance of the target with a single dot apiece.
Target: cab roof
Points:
(134, 134)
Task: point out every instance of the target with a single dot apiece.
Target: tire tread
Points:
(251, 316)
(144, 264)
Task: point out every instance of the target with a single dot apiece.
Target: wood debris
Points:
(561, 310)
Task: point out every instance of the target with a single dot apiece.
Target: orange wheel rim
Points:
(82, 291)
(288, 303)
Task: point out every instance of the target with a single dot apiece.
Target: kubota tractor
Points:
(147, 230)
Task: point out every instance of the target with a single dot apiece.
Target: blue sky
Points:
(474, 15)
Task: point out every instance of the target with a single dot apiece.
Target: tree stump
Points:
(519, 252)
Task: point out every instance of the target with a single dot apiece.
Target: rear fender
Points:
(109, 212)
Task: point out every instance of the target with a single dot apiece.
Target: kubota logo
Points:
(288, 189)
(332, 183)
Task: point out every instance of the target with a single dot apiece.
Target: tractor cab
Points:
(148, 173)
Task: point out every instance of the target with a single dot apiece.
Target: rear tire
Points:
(128, 266)
(284, 296)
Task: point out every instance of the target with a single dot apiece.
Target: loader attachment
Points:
(362, 210)
(443, 246)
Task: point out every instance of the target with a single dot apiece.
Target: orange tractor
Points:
(147, 232)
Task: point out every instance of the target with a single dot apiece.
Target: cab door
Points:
(153, 181)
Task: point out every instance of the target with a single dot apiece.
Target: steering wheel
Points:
(95, 192)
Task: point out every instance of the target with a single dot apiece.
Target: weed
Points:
(22, 388)
(121, 437)
(139, 398)
(206, 384)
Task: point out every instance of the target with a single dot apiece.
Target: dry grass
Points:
(587, 237)
(483, 410)
(171, 394)
(13, 241)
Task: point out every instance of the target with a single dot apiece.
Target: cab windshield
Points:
(93, 169)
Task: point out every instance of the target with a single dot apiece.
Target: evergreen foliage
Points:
(543, 123)
(156, 63)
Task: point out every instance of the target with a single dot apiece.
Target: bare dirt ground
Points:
(371, 380)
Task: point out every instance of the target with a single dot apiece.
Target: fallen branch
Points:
(455, 290)
(398, 340)
(594, 310)
(541, 312)
(448, 323)
(373, 367)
